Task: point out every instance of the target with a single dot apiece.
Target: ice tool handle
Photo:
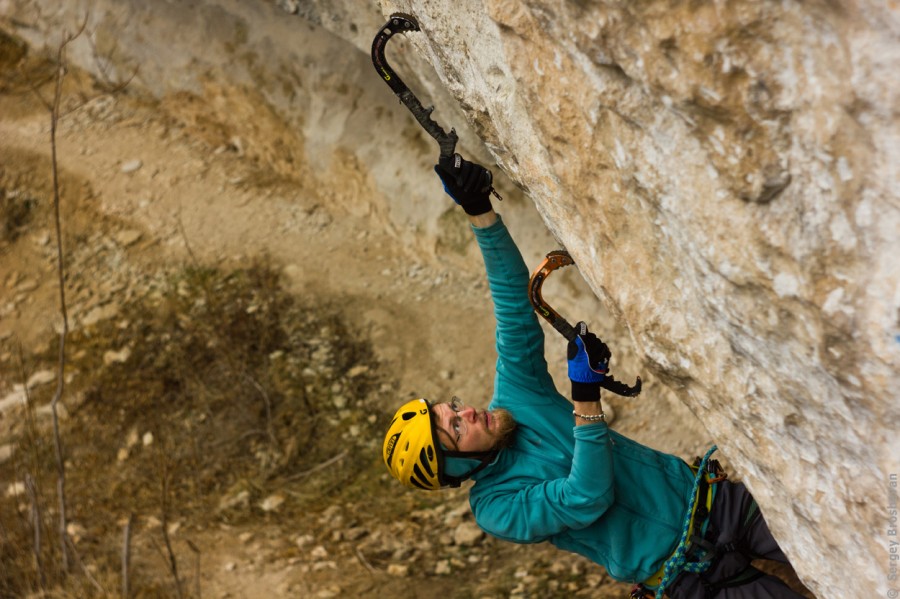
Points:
(559, 259)
(403, 23)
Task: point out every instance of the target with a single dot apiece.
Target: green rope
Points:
(678, 563)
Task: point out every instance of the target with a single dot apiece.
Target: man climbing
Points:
(642, 514)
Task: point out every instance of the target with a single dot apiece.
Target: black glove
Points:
(469, 184)
(588, 364)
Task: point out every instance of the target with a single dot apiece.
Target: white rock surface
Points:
(725, 176)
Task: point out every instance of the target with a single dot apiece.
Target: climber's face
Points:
(468, 429)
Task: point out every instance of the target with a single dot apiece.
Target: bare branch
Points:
(196, 551)
(87, 573)
(60, 268)
(126, 555)
(36, 524)
(173, 564)
(187, 243)
(321, 466)
(109, 85)
(270, 431)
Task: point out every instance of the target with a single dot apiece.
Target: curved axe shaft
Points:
(559, 259)
(402, 23)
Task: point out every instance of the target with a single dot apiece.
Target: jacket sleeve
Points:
(519, 338)
(525, 511)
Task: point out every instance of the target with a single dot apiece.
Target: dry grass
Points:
(194, 405)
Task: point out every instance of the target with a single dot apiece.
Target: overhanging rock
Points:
(726, 177)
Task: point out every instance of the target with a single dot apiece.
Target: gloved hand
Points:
(469, 184)
(588, 364)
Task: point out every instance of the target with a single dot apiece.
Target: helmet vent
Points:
(423, 460)
(408, 415)
(417, 475)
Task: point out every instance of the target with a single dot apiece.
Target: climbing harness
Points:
(559, 259)
(678, 562)
(685, 558)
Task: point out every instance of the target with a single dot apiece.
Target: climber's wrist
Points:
(482, 221)
(588, 412)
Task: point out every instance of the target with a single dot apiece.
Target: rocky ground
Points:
(239, 332)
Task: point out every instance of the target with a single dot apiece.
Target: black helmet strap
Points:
(486, 457)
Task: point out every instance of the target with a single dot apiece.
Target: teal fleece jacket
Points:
(586, 489)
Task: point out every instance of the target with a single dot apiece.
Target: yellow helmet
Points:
(410, 452)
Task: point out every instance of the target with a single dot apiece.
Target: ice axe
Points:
(559, 259)
(403, 23)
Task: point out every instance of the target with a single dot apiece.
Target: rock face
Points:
(728, 173)
(724, 173)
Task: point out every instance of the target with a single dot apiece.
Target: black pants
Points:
(745, 540)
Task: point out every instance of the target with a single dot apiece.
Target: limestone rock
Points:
(725, 183)
(723, 174)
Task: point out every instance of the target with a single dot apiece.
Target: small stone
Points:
(41, 378)
(303, 540)
(357, 371)
(15, 489)
(132, 439)
(245, 537)
(467, 534)
(128, 237)
(75, 531)
(6, 452)
(442, 568)
(230, 567)
(27, 285)
(16, 397)
(147, 439)
(319, 552)
(398, 570)
(272, 502)
(116, 357)
(122, 454)
(132, 166)
(355, 533)
(99, 313)
(240, 499)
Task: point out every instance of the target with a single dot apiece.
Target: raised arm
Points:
(520, 340)
(519, 337)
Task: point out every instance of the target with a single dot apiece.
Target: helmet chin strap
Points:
(485, 457)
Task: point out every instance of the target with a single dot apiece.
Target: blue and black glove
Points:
(588, 364)
(469, 184)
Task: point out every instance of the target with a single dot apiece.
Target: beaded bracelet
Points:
(591, 417)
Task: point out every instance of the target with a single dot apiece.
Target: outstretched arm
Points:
(520, 340)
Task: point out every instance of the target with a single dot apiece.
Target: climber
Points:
(642, 514)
